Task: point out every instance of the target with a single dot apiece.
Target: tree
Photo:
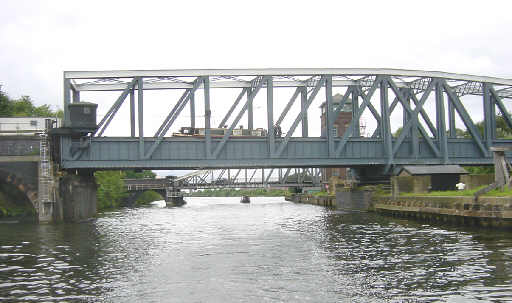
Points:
(111, 189)
(145, 174)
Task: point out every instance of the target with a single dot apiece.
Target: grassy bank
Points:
(450, 193)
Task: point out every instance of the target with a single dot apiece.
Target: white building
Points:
(25, 125)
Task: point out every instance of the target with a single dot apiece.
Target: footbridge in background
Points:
(228, 178)
(429, 107)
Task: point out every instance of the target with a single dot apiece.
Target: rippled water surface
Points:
(218, 250)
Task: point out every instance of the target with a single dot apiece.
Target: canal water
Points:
(219, 250)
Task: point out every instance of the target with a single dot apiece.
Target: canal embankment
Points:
(487, 211)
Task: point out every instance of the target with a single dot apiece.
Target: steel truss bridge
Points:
(424, 139)
(233, 178)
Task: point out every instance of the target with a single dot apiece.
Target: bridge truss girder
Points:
(423, 140)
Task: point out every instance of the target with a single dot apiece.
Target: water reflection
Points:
(217, 249)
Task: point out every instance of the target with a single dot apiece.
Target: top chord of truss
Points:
(283, 77)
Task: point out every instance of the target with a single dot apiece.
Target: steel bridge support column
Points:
(451, 119)
(304, 109)
(385, 124)
(270, 117)
(329, 115)
(207, 116)
(355, 107)
(76, 96)
(489, 116)
(132, 112)
(441, 122)
(250, 99)
(192, 109)
(140, 100)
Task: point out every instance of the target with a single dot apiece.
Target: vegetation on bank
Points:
(258, 192)
(471, 192)
(111, 192)
(147, 197)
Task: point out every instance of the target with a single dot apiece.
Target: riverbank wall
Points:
(493, 212)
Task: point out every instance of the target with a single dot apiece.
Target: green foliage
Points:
(131, 174)
(148, 197)
(259, 192)
(479, 170)
(24, 107)
(111, 188)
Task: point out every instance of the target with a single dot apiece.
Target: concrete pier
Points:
(76, 200)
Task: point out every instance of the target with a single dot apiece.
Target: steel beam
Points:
(270, 117)
(140, 114)
(207, 117)
(132, 112)
(441, 122)
(304, 110)
(329, 116)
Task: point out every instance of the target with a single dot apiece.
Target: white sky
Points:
(41, 39)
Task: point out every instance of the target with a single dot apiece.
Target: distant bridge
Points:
(227, 178)
(425, 138)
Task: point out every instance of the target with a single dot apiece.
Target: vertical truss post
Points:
(452, 133)
(441, 121)
(355, 107)
(132, 112)
(280, 174)
(270, 117)
(329, 115)
(263, 176)
(413, 132)
(406, 116)
(250, 99)
(304, 110)
(229, 176)
(489, 116)
(207, 116)
(140, 100)
(192, 109)
(76, 96)
(246, 176)
(67, 101)
(385, 123)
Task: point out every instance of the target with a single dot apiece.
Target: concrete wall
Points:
(474, 181)
(19, 145)
(354, 200)
(487, 212)
(410, 184)
(77, 197)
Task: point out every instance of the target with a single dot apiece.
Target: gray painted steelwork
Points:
(424, 139)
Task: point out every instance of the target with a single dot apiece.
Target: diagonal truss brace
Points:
(299, 117)
(113, 110)
(172, 116)
(228, 133)
(502, 107)
(413, 117)
(350, 130)
(466, 118)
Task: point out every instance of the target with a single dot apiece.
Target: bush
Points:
(148, 197)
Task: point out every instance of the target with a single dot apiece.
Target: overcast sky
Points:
(41, 39)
